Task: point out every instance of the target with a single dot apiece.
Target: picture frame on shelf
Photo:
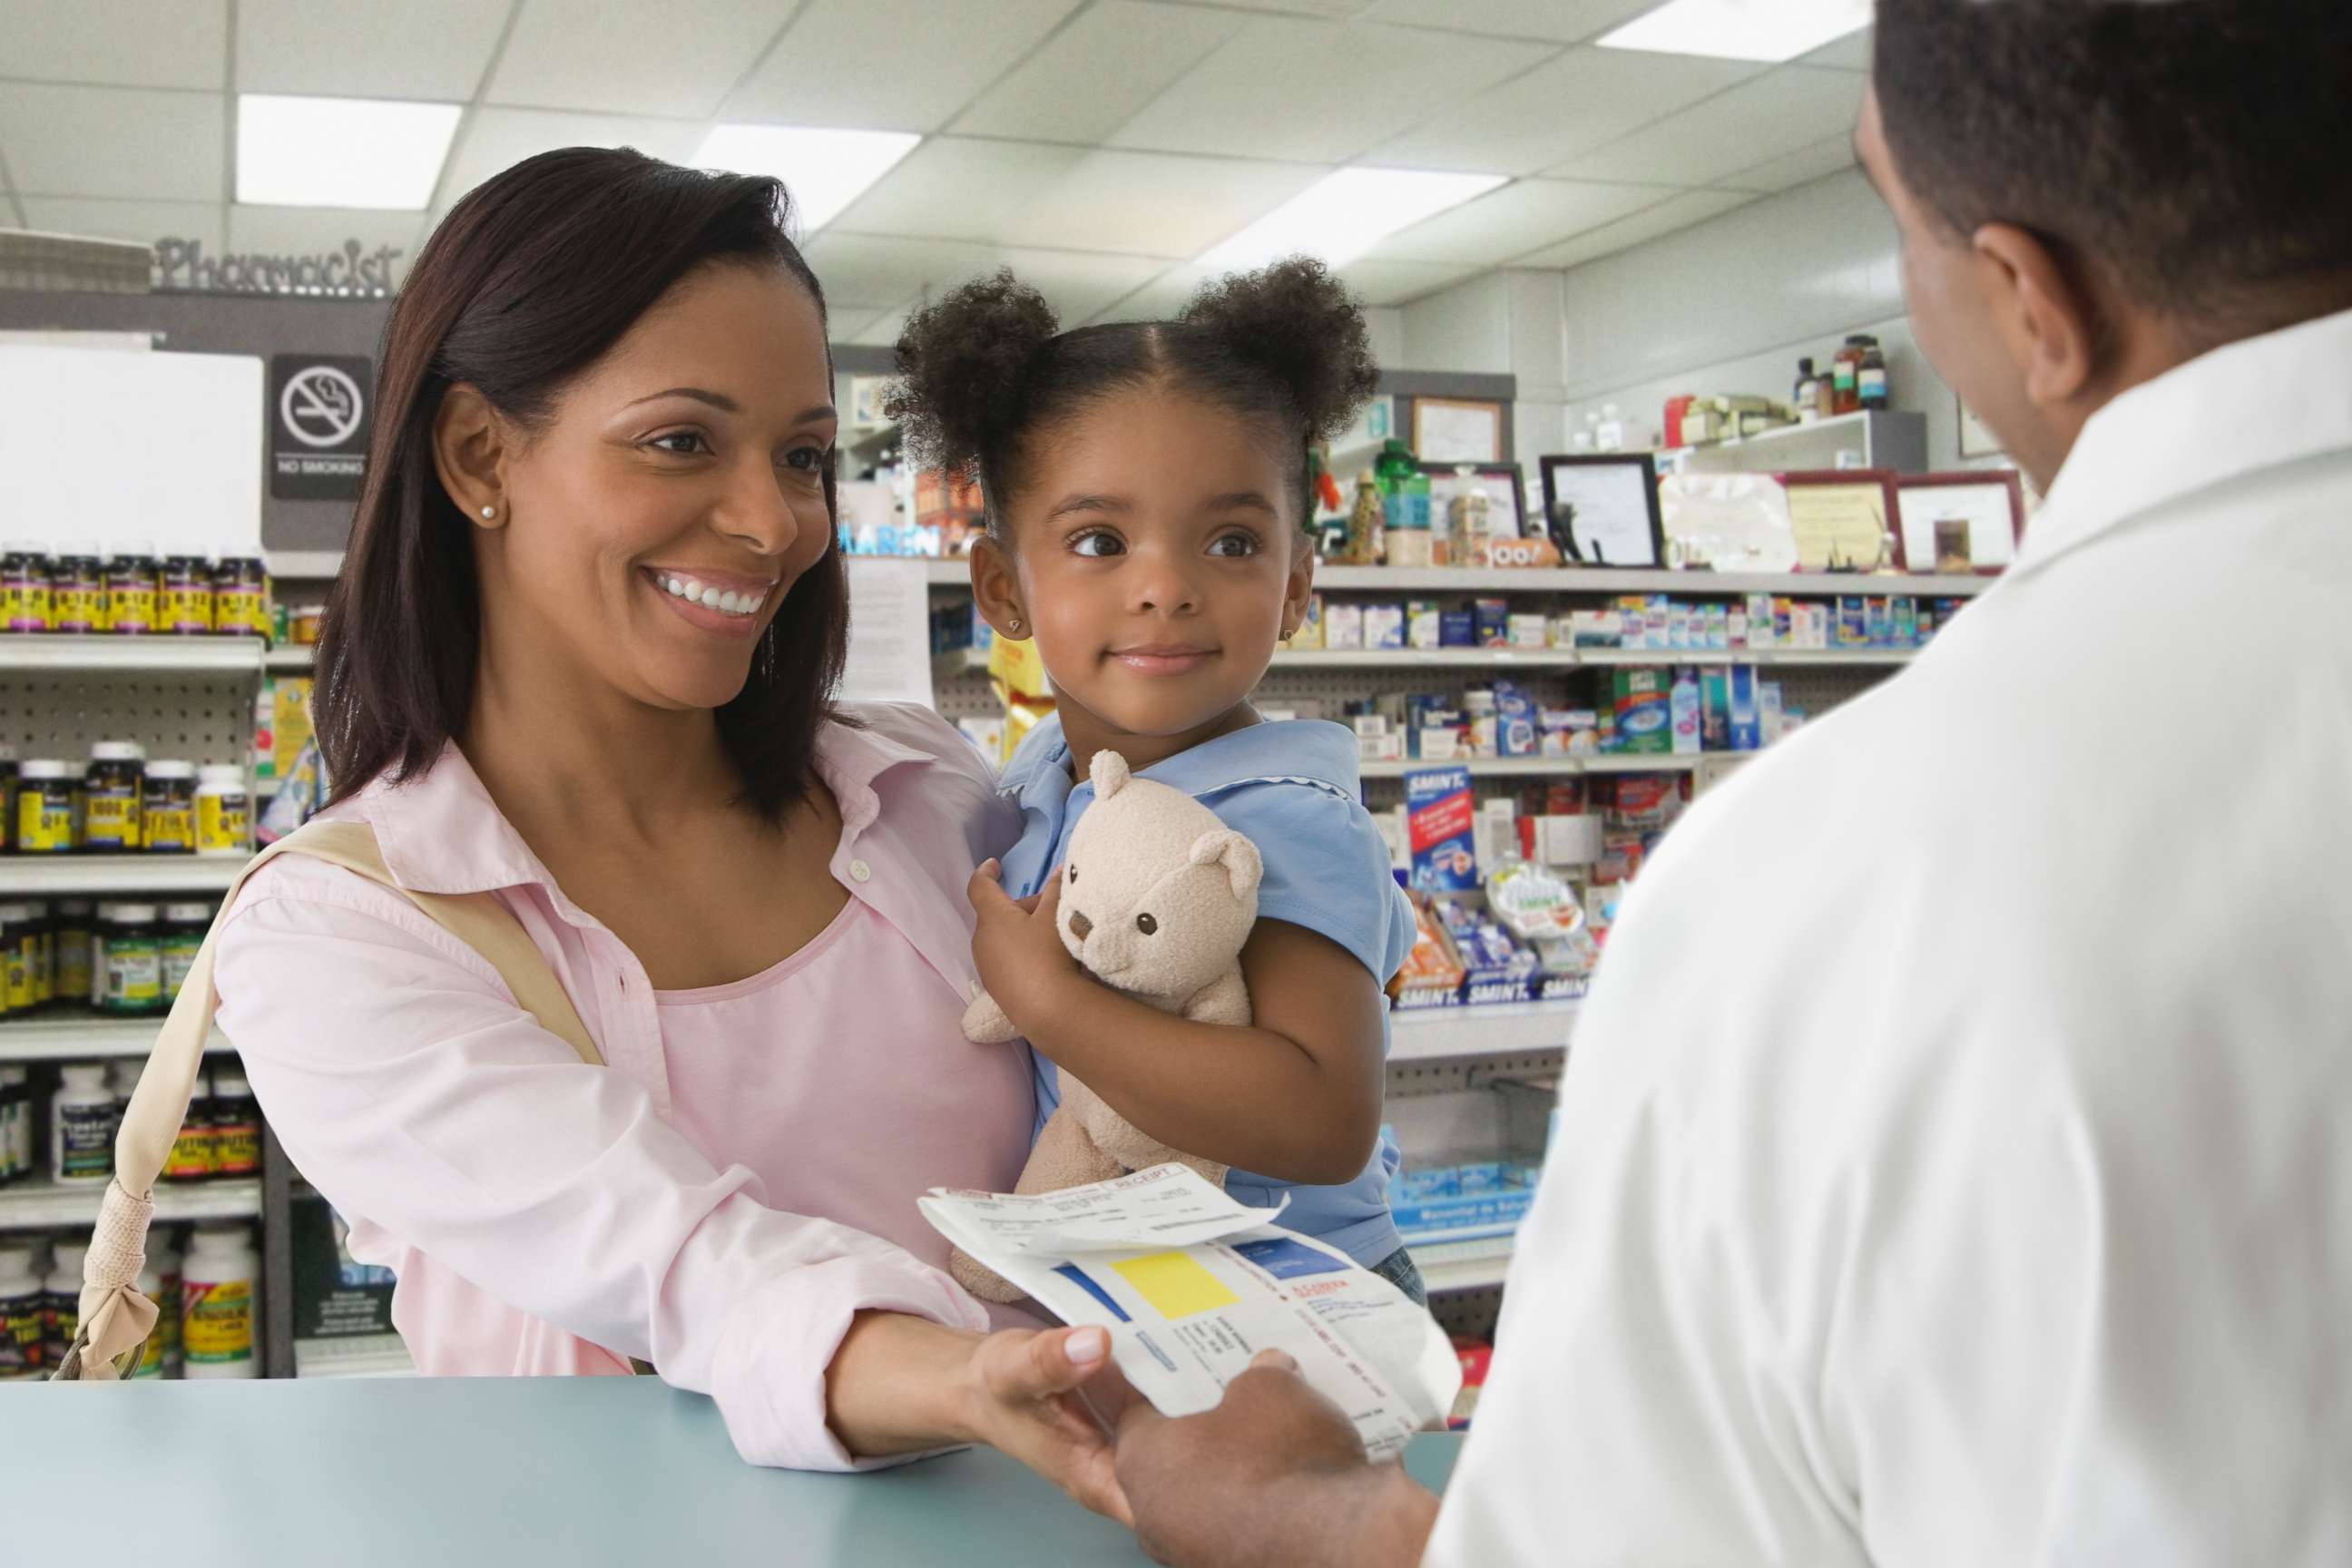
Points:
(1458, 430)
(1843, 518)
(1502, 484)
(1726, 523)
(1958, 523)
(1602, 510)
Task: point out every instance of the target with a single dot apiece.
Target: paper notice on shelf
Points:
(890, 631)
(1192, 1285)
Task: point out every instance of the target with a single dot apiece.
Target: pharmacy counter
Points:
(494, 1471)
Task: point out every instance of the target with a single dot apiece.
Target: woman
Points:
(578, 656)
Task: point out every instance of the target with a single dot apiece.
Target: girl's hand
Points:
(1016, 945)
(1021, 1393)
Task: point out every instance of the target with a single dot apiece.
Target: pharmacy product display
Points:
(128, 590)
(58, 1125)
(120, 803)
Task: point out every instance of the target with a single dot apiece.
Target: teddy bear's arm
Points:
(1224, 1000)
(986, 1023)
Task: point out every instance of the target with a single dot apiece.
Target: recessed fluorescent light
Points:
(1774, 30)
(823, 170)
(340, 151)
(1345, 214)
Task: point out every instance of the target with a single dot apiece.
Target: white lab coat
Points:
(1955, 1156)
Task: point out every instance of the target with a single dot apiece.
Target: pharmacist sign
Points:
(318, 426)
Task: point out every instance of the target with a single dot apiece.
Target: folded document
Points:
(1192, 1284)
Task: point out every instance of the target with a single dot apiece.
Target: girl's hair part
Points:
(530, 281)
(985, 375)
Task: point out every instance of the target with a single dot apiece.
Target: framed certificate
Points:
(1960, 522)
(1458, 430)
(1451, 484)
(1603, 510)
(1844, 519)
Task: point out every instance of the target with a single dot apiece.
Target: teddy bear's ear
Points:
(1108, 770)
(1239, 856)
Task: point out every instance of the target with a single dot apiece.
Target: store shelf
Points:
(1776, 657)
(86, 1038)
(1608, 580)
(1496, 658)
(40, 1204)
(1475, 1265)
(294, 658)
(1553, 767)
(32, 875)
(155, 655)
(1508, 1028)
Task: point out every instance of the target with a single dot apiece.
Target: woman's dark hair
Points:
(528, 281)
(984, 372)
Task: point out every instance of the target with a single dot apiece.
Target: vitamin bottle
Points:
(15, 1124)
(25, 586)
(236, 1125)
(44, 807)
(167, 807)
(111, 796)
(224, 811)
(134, 583)
(134, 963)
(219, 1311)
(183, 936)
(195, 1152)
(61, 1299)
(83, 1120)
(22, 1299)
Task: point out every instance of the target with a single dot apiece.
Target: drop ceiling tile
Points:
(158, 43)
(302, 231)
(145, 221)
(891, 64)
(678, 59)
(1561, 21)
(870, 269)
(1793, 169)
(1161, 298)
(1668, 216)
(1155, 203)
(952, 187)
(1524, 216)
(1380, 282)
(1849, 53)
(1783, 111)
(124, 142)
(1094, 75)
(883, 331)
(431, 50)
(1078, 286)
(1580, 100)
(491, 140)
(1317, 92)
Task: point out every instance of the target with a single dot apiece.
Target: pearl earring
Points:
(490, 512)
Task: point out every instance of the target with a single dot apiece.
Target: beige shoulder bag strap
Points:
(115, 1316)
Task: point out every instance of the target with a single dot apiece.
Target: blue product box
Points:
(1440, 813)
(1458, 629)
(1491, 622)
(1746, 731)
(1515, 720)
(1715, 710)
(1907, 623)
(1878, 622)
(1852, 623)
(1719, 628)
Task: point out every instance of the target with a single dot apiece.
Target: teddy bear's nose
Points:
(1080, 925)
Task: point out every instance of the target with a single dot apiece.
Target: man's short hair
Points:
(2198, 150)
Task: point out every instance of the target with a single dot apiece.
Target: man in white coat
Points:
(1955, 1158)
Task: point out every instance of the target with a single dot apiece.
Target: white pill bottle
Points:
(220, 1314)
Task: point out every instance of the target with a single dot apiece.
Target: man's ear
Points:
(2050, 322)
(470, 451)
(996, 589)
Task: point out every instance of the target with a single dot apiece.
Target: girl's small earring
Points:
(1013, 623)
(489, 512)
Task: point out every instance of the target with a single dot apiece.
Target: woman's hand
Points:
(1016, 945)
(1026, 1394)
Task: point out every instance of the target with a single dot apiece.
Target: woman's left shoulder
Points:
(958, 780)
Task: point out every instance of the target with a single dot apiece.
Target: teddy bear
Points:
(1157, 898)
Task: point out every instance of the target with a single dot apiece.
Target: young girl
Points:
(1147, 516)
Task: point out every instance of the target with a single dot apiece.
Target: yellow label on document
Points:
(1175, 1284)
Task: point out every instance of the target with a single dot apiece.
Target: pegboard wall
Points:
(204, 717)
(1468, 1312)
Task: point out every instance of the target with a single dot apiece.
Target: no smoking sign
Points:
(318, 426)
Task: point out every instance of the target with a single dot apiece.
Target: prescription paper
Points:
(1192, 1285)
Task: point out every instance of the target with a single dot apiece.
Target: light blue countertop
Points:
(512, 1472)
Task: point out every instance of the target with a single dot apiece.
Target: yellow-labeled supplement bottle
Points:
(24, 588)
(111, 797)
(187, 600)
(219, 1304)
(44, 807)
(78, 594)
(167, 807)
(224, 811)
(133, 589)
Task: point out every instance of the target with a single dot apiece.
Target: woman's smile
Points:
(727, 602)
